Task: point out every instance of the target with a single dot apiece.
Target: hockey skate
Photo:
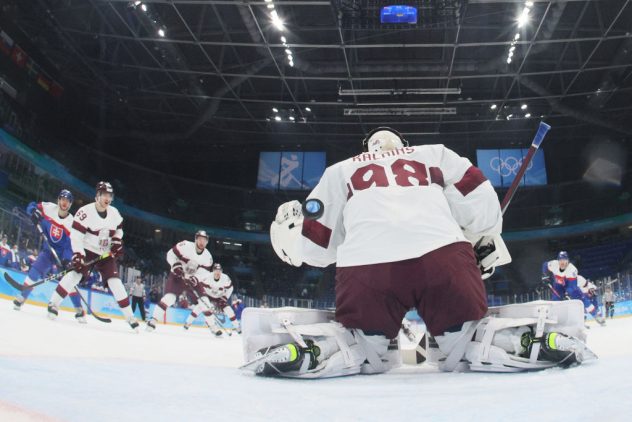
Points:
(80, 316)
(284, 358)
(133, 323)
(52, 311)
(18, 302)
(151, 324)
(186, 326)
(600, 320)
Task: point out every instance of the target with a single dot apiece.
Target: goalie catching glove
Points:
(285, 233)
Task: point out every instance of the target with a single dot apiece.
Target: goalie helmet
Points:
(383, 139)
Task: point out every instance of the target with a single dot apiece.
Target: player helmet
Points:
(383, 139)
(217, 266)
(201, 233)
(65, 193)
(562, 255)
(104, 187)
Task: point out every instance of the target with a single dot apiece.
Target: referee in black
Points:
(137, 291)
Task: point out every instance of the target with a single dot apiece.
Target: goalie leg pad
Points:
(496, 343)
(342, 351)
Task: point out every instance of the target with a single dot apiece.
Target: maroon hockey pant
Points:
(444, 286)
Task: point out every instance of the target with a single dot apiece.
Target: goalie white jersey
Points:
(218, 289)
(186, 253)
(413, 199)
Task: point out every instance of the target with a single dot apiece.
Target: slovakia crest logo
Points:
(56, 233)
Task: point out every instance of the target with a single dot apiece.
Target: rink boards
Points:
(102, 303)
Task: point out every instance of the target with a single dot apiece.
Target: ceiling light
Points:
(268, 1)
(493, 107)
(161, 32)
(136, 3)
(276, 110)
(270, 6)
(291, 63)
(509, 116)
(274, 14)
(288, 51)
(512, 48)
(526, 116)
(508, 60)
(276, 21)
(529, 4)
(157, 230)
(510, 54)
(523, 107)
(308, 109)
(143, 7)
(517, 36)
(277, 118)
(524, 18)
(292, 118)
(283, 39)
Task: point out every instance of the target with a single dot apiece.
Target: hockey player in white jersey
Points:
(217, 290)
(400, 223)
(185, 258)
(97, 229)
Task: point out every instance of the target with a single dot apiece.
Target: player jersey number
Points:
(406, 172)
(81, 215)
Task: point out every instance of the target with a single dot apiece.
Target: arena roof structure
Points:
(326, 72)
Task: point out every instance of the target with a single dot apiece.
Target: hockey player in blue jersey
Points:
(561, 275)
(589, 297)
(55, 221)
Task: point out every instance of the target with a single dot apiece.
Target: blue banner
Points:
(501, 166)
(290, 170)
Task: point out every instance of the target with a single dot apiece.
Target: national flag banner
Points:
(56, 90)
(6, 43)
(32, 68)
(44, 82)
(18, 56)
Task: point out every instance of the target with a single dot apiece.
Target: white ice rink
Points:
(64, 371)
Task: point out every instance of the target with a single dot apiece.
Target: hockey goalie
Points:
(408, 227)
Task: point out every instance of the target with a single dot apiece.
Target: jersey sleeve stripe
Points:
(317, 233)
(472, 179)
(79, 227)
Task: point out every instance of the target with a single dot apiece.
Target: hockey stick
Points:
(535, 144)
(22, 287)
(90, 311)
(208, 308)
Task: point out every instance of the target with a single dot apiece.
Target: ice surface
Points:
(102, 372)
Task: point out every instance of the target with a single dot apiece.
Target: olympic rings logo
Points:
(508, 166)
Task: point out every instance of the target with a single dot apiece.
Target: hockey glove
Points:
(192, 281)
(78, 262)
(491, 252)
(178, 270)
(116, 247)
(285, 233)
(36, 216)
